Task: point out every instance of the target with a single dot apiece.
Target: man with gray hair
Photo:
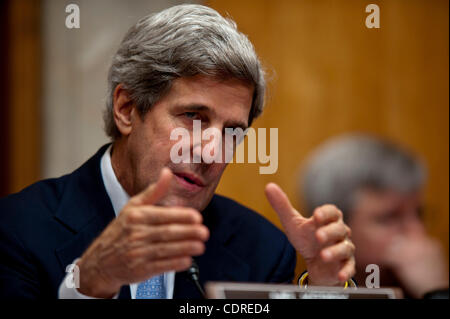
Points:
(130, 218)
(378, 186)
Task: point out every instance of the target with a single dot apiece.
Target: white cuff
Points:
(68, 288)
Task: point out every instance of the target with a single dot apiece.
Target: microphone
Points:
(194, 274)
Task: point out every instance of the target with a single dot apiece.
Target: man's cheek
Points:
(216, 174)
(219, 168)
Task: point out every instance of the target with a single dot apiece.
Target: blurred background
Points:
(328, 75)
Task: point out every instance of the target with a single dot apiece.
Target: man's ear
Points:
(122, 110)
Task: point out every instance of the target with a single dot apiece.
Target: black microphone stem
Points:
(194, 273)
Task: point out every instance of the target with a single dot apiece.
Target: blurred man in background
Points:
(379, 188)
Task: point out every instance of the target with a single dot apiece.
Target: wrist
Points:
(316, 277)
(94, 284)
(305, 279)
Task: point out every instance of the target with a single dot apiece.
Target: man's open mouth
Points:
(189, 181)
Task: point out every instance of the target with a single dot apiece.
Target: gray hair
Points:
(342, 166)
(181, 41)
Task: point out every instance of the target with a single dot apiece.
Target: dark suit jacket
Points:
(46, 226)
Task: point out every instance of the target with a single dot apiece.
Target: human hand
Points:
(143, 241)
(322, 240)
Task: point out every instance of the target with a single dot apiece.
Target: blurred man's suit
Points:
(45, 227)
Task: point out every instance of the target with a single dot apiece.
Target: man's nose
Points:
(197, 151)
(211, 144)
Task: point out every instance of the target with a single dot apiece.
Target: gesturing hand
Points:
(322, 240)
(143, 241)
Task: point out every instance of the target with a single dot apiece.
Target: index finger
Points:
(157, 215)
(326, 214)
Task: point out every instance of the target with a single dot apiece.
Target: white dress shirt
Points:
(119, 198)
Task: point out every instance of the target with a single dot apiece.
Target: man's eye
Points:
(191, 115)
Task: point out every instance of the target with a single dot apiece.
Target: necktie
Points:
(152, 288)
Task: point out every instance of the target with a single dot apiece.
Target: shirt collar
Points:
(116, 193)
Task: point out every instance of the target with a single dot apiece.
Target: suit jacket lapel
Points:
(85, 209)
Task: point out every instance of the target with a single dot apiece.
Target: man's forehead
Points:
(231, 98)
(205, 83)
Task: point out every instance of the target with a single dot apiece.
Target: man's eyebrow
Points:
(193, 107)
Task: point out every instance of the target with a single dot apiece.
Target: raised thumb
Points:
(156, 191)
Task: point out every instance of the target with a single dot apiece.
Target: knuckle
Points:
(129, 258)
(318, 210)
(133, 201)
(332, 209)
(329, 207)
(160, 252)
(152, 254)
(165, 233)
(343, 230)
(348, 230)
(130, 255)
(155, 217)
(319, 236)
(127, 230)
(324, 256)
(352, 247)
(132, 216)
(161, 234)
(134, 236)
(318, 214)
(171, 231)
